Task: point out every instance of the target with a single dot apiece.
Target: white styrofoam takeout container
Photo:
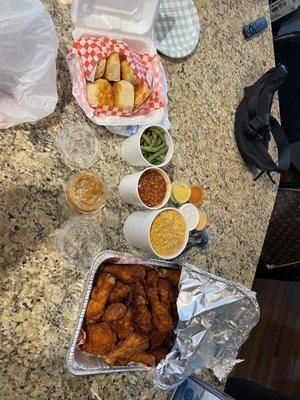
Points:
(130, 20)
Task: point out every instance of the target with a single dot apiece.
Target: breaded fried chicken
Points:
(144, 358)
(126, 272)
(172, 274)
(160, 353)
(119, 293)
(157, 338)
(161, 317)
(142, 315)
(125, 326)
(114, 312)
(132, 313)
(100, 339)
(152, 277)
(98, 299)
(124, 350)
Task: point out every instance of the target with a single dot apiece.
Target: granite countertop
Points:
(40, 294)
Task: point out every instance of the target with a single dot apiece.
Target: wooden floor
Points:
(272, 352)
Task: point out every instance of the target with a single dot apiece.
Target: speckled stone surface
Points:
(40, 294)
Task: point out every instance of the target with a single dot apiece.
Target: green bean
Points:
(153, 145)
(146, 139)
(159, 133)
(154, 137)
(157, 161)
(159, 141)
(149, 149)
(158, 153)
(162, 157)
(152, 141)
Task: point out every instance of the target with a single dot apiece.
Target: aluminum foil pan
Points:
(79, 362)
(215, 318)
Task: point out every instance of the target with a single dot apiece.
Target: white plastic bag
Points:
(28, 50)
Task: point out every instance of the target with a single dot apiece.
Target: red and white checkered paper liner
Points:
(89, 50)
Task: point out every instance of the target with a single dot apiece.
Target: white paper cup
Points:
(129, 192)
(132, 154)
(136, 230)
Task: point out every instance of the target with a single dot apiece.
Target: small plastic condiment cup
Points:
(137, 227)
(132, 154)
(191, 214)
(129, 189)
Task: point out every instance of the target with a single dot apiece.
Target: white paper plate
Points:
(177, 28)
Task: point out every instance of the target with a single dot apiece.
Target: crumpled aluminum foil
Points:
(215, 318)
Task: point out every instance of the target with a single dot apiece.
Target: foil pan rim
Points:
(72, 365)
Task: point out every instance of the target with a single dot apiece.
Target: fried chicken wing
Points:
(142, 315)
(114, 312)
(160, 353)
(172, 274)
(164, 288)
(144, 358)
(125, 326)
(143, 318)
(98, 299)
(124, 350)
(166, 291)
(119, 293)
(152, 277)
(131, 313)
(101, 279)
(100, 339)
(139, 294)
(128, 300)
(157, 338)
(169, 292)
(127, 273)
(161, 317)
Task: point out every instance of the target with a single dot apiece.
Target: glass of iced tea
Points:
(86, 191)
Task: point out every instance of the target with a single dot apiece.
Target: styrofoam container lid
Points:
(133, 17)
